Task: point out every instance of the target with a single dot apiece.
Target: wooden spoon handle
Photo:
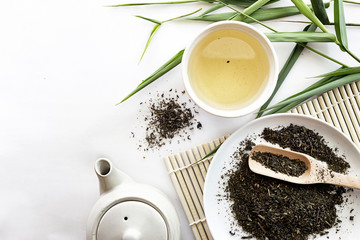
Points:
(343, 180)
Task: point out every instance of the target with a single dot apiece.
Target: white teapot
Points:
(130, 211)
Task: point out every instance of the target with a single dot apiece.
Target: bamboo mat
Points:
(339, 107)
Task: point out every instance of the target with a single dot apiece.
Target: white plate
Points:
(218, 213)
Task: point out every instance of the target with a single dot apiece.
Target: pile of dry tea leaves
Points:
(268, 208)
(169, 118)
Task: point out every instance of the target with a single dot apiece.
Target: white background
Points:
(63, 67)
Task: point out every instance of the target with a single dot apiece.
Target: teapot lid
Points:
(132, 220)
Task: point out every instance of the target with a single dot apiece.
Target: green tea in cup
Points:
(230, 69)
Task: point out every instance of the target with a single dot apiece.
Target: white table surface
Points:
(64, 66)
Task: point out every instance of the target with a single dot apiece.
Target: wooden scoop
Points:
(317, 172)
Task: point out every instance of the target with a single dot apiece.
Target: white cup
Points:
(261, 96)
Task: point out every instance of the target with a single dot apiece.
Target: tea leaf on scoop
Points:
(301, 37)
(293, 57)
(173, 62)
(319, 10)
(280, 163)
(340, 27)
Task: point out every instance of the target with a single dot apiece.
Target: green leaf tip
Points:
(170, 64)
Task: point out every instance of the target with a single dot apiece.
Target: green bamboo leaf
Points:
(320, 89)
(173, 62)
(301, 37)
(252, 8)
(284, 108)
(293, 57)
(306, 11)
(340, 27)
(149, 19)
(233, 16)
(240, 3)
(212, 152)
(319, 10)
(246, 15)
(353, 2)
(331, 23)
(340, 72)
(263, 14)
(315, 85)
(324, 55)
(151, 3)
(320, 83)
(156, 27)
(181, 16)
(212, 9)
(213, 17)
(294, 103)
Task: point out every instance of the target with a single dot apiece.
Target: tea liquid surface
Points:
(228, 69)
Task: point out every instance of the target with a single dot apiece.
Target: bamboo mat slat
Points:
(339, 107)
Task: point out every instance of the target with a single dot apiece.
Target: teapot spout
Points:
(108, 175)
